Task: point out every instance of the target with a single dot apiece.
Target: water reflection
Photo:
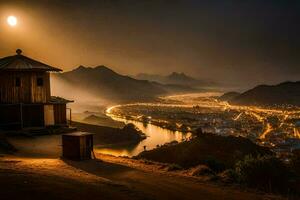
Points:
(156, 136)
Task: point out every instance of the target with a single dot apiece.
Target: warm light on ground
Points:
(12, 21)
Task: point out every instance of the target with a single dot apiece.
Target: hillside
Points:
(201, 150)
(287, 93)
(101, 82)
(109, 135)
(105, 83)
(176, 88)
(228, 96)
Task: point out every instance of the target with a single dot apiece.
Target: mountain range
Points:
(174, 78)
(87, 83)
(286, 93)
(103, 82)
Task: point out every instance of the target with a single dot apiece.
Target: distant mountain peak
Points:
(104, 68)
(81, 67)
(180, 77)
(100, 68)
(177, 74)
(177, 78)
(103, 82)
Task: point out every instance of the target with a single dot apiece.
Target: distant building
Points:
(25, 98)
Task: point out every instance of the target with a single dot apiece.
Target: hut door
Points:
(33, 115)
(89, 146)
(49, 115)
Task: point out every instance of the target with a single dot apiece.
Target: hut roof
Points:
(22, 63)
(78, 134)
(59, 100)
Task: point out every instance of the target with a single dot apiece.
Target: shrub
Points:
(202, 170)
(229, 176)
(214, 164)
(295, 162)
(130, 127)
(132, 131)
(266, 173)
(174, 167)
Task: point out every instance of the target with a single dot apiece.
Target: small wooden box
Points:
(77, 145)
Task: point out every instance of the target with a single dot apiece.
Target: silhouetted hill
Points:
(176, 89)
(108, 135)
(105, 83)
(174, 79)
(181, 78)
(150, 77)
(102, 82)
(202, 150)
(270, 95)
(229, 96)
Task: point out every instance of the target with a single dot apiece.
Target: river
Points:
(155, 136)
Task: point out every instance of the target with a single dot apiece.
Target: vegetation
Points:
(109, 135)
(266, 173)
(232, 160)
(202, 170)
(132, 131)
(295, 162)
(217, 152)
(174, 167)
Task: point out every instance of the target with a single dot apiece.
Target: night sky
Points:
(238, 42)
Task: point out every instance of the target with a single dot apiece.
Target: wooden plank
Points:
(28, 92)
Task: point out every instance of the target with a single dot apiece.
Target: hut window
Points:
(18, 82)
(40, 81)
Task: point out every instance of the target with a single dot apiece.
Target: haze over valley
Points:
(87, 83)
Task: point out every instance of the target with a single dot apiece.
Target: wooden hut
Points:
(77, 145)
(25, 96)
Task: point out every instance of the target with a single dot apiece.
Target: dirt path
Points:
(25, 178)
(112, 178)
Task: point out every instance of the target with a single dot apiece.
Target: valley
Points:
(274, 128)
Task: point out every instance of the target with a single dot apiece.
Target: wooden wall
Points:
(32, 116)
(77, 147)
(28, 92)
(60, 114)
(49, 115)
(10, 117)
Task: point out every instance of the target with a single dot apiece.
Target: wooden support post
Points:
(92, 148)
(21, 115)
(70, 116)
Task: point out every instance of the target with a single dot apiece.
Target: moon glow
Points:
(12, 20)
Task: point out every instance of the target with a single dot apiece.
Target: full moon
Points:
(12, 21)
